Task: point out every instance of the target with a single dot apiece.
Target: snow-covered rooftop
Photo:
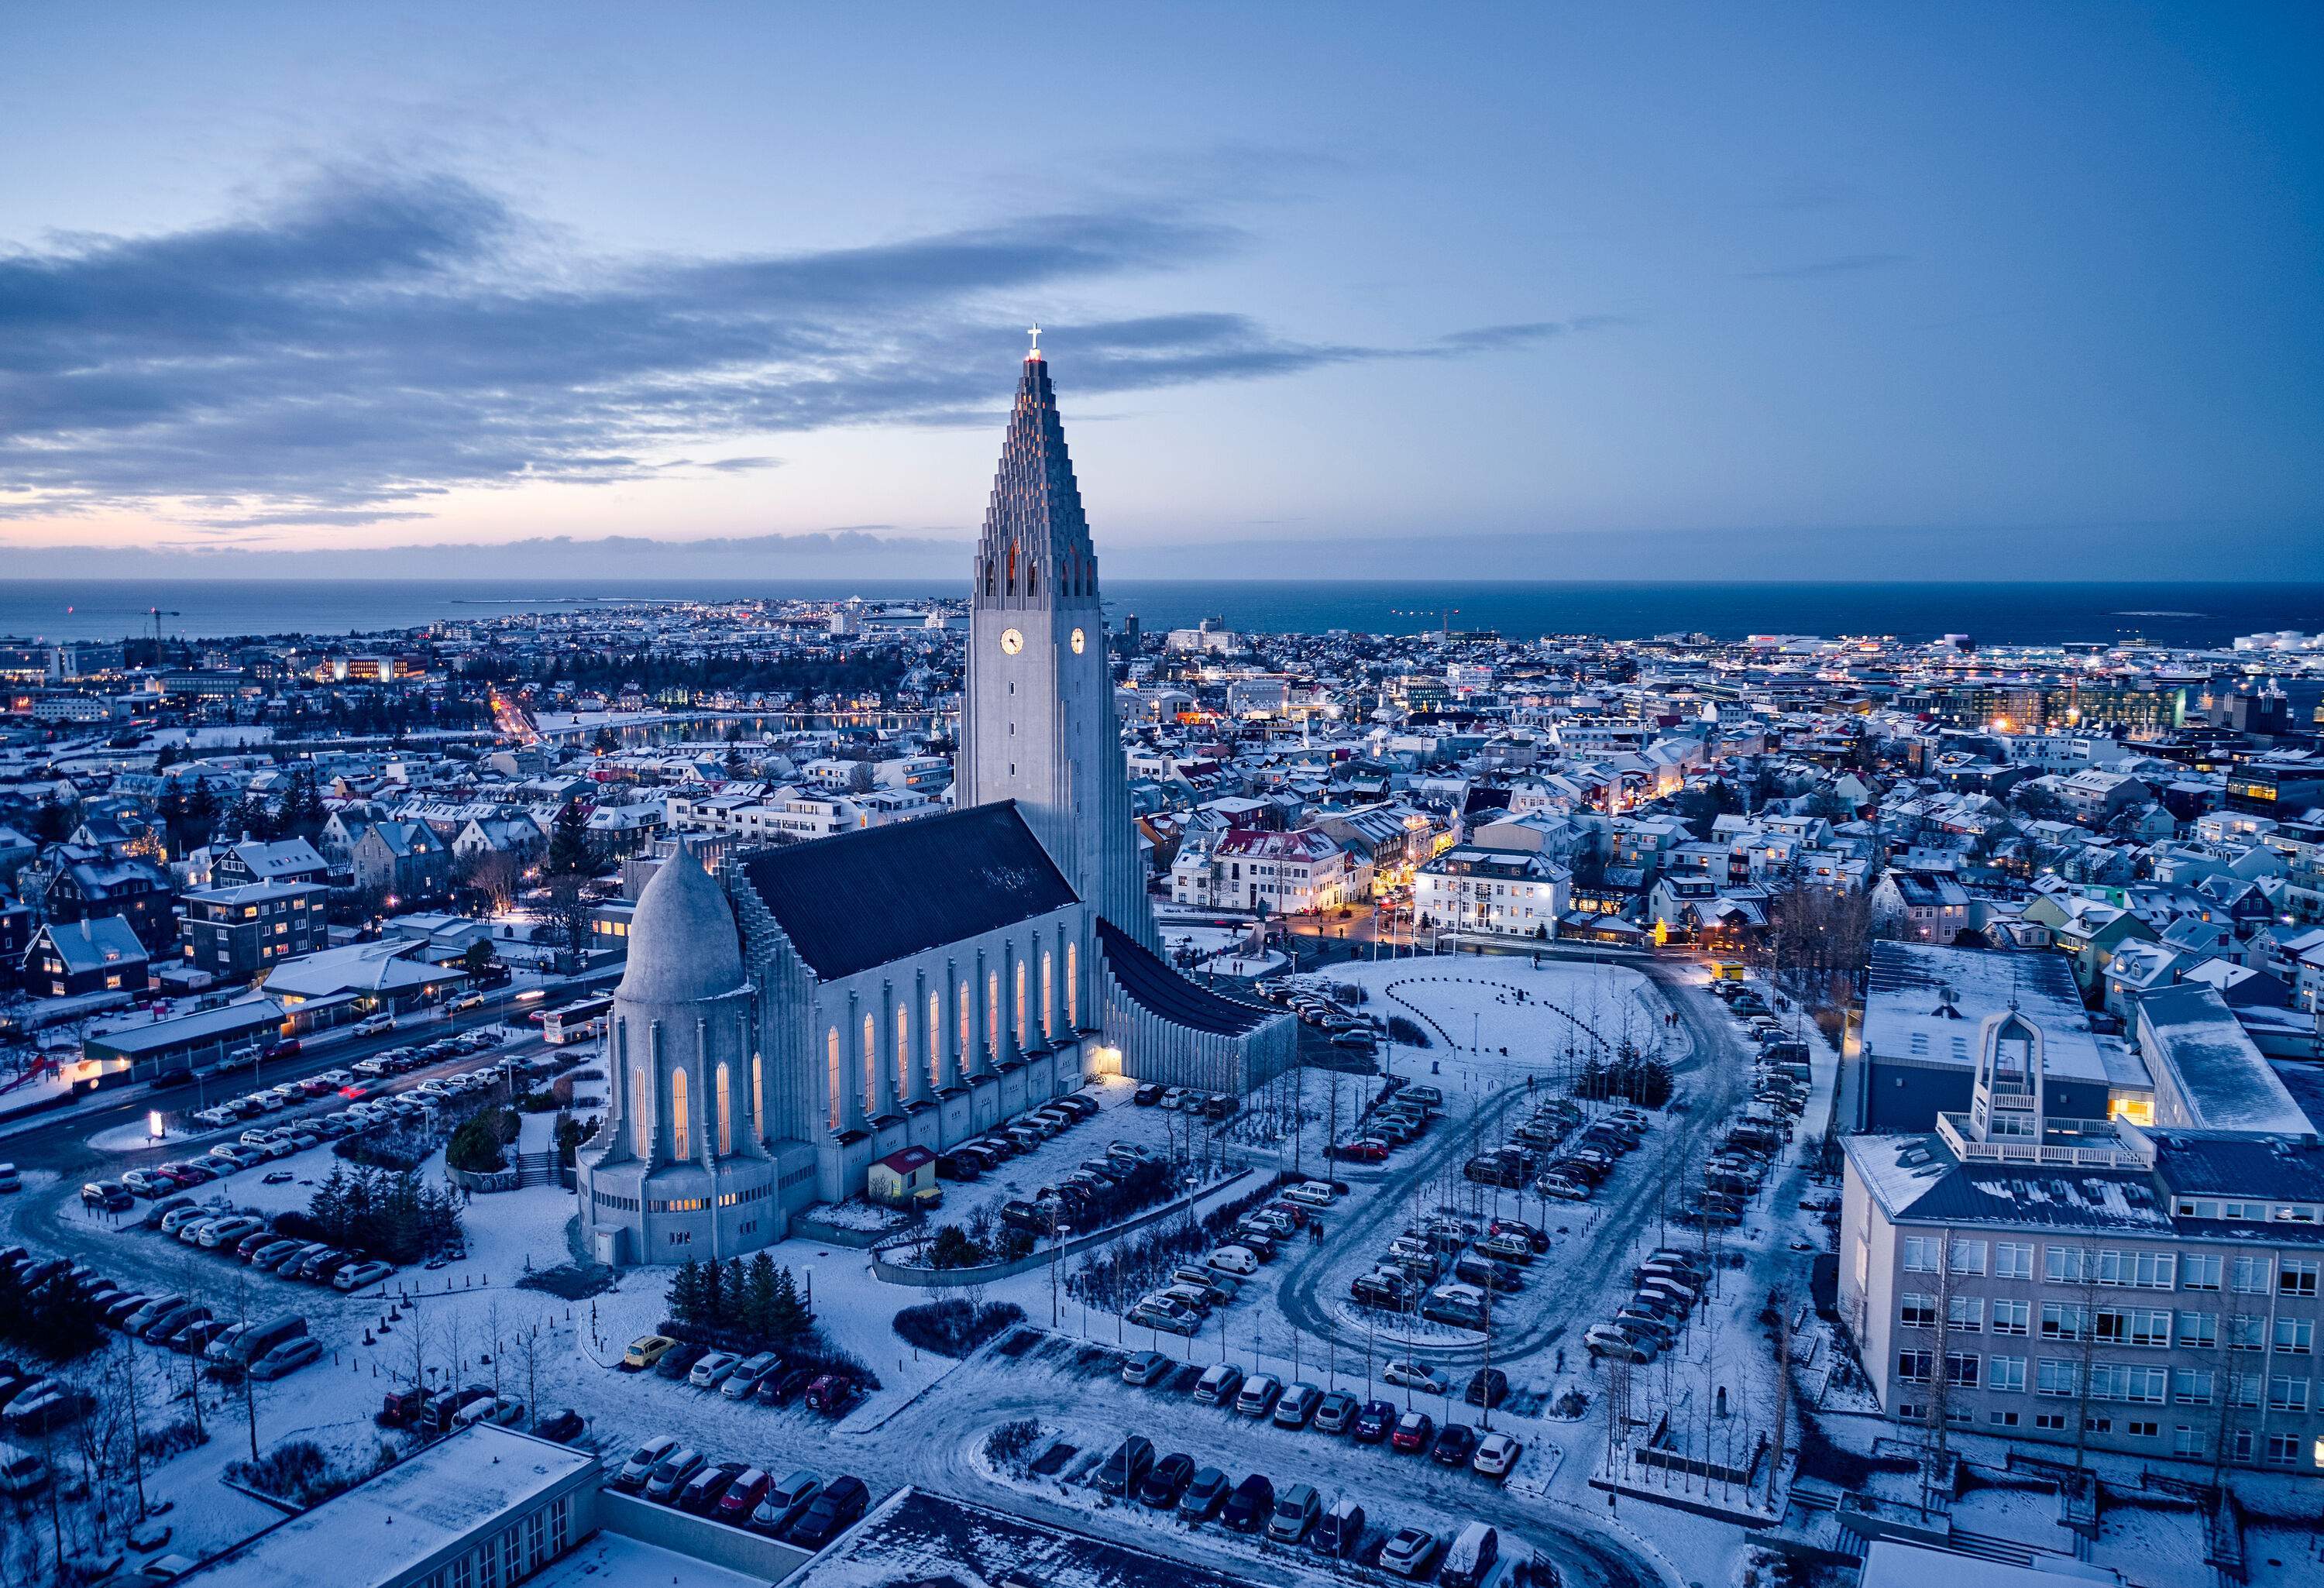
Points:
(1922, 1004)
(2218, 1079)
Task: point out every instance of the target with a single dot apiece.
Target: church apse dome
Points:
(679, 1168)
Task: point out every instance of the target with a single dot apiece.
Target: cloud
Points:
(1845, 264)
(742, 466)
(376, 341)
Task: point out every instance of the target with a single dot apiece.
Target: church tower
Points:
(1037, 721)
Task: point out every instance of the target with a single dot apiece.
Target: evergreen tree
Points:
(758, 1309)
(733, 1293)
(788, 1317)
(569, 850)
(685, 1299)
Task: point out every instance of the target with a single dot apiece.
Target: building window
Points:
(2295, 1335)
(2191, 1386)
(1914, 1367)
(2063, 1321)
(725, 1116)
(992, 1014)
(1048, 994)
(2012, 1317)
(1073, 986)
(1968, 1257)
(2282, 1449)
(903, 1042)
(1023, 1029)
(2054, 1376)
(680, 1121)
(758, 1098)
(1921, 1253)
(831, 1080)
(2013, 1260)
(2248, 1276)
(1915, 1310)
(2068, 1265)
(640, 1121)
(2008, 1373)
(1966, 1313)
(870, 1065)
(2286, 1394)
(2201, 1272)
(2296, 1276)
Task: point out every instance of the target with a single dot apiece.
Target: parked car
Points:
(678, 1361)
(1410, 1553)
(1374, 1419)
(1166, 1481)
(1413, 1375)
(1335, 1413)
(1250, 1505)
(1145, 1367)
(1415, 1432)
(1496, 1454)
(673, 1472)
(1487, 1386)
(1456, 1444)
(743, 1381)
(634, 1472)
(1259, 1395)
(1218, 1385)
(707, 1488)
(833, 1512)
(741, 1500)
(784, 1502)
(1297, 1405)
(1297, 1510)
(1125, 1467)
(1206, 1492)
(1471, 1558)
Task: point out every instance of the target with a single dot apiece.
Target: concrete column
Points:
(981, 1055)
(915, 1063)
(952, 1064)
(851, 1067)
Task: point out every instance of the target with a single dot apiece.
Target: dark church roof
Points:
(866, 899)
(1167, 996)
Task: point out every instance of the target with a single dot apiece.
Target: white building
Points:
(1509, 892)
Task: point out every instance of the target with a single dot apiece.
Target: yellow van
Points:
(645, 1351)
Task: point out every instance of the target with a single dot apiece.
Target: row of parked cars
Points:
(440, 1411)
(1582, 1159)
(800, 1509)
(1492, 1258)
(1292, 1516)
(1345, 1026)
(764, 1377)
(1215, 1106)
(1021, 1133)
(1068, 1201)
(1401, 1116)
(1667, 1287)
(251, 1239)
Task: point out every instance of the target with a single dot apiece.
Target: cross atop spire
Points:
(1034, 332)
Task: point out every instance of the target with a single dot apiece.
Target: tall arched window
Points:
(725, 1116)
(758, 1099)
(936, 1037)
(1072, 987)
(967, 1023)
(681, 1123)
(993, 1012)
(871, 1064)
(903, 1042)
(831, 1081)
(1022, 1029)
(1049, 992)
(641, 1115)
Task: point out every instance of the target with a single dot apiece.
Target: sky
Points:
(1812, 283)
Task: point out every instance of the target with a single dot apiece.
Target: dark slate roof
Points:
(870, 897)
(1167, 996)
(2234, 1163)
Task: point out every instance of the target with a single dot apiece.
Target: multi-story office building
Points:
(2151, 1291)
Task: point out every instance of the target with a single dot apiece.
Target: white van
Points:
(1233, 1259)
(1470, 1559)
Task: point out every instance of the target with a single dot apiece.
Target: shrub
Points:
(299, 1474)
(1010, 1444)
(1406, 1033)
(955, 1328)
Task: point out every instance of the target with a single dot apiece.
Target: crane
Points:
(159, 613)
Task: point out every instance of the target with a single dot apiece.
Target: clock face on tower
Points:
(1078, 641)
(1011, 642)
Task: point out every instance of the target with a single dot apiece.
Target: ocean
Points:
(2179, 614)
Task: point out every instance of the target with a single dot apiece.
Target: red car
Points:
(1370, 1150)
(742, 1496)
(186, 1174)
(355, 1091)
(284, 1048)
(1414, 1431)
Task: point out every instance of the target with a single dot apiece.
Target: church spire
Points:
(1036, 547)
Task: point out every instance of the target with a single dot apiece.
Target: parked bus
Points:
(583, 1018)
